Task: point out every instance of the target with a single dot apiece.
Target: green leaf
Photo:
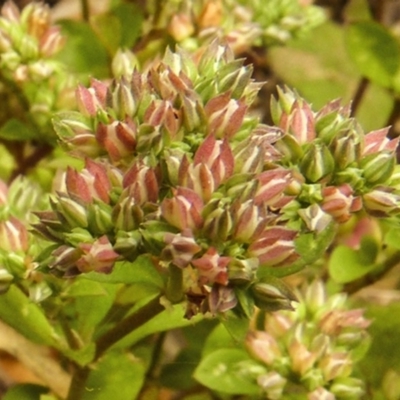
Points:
(140, 271)
(84, 48)
(118, 376)
(374, 50)
(346, 265)
(27, 318)
(228, 371)
(384, 351)
(25, 391)
(236, 325)
(120, 27)
(219, 338)
(84, 287)
(16, 130)
(171, 318)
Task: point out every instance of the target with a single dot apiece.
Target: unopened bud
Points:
(317, 162)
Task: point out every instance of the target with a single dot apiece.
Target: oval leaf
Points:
(374, 51)
(227, 371)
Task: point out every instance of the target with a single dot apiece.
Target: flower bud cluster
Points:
(183, 173)
(27, 41)
(17, 245)
(339, 169)
(242, 23)
(315, 347)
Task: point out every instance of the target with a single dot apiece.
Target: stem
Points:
(78, 383)
(85, 10)
(359, 94)
(30, 161)
(393, 118)
(127, 325)
(175, 284)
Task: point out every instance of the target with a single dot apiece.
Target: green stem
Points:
(123, 328)
(359, 94)
(85, 10)
(78, 384)
(175, 284)
(127, 325)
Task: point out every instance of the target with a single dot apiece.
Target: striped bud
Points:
(317, 162)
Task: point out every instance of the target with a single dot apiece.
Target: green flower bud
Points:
(123, 63)
(72, 210)
(273, 294)
(348, 388)
(377, 167)
(317, 162)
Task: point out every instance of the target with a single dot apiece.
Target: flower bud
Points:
(378, 141)
(315, 218)
(51, 42)
(345, 148)
(320, 394)
(381, 202)
(272, 294)
(218, 222)
(212, 267)
(274, 247)
(72, 210)
(349, 388)
(242, 271)
(118, 138)
(183, 209)
(98, 256)
(123, 63)
(99, 218)
(317, 162)
(335, 365)
(180, 27)
(225, 115)
(127, 215)
(377, 167)
(220, 299)
(272, 384)
(180, 248)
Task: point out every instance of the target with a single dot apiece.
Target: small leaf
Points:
(118, 376)
(346, 265)
(219, 338)
(374, 50)
(142, 271)
(84, 48)
(228, 371)
(25, 391)
(27, 318)
(236, 325)
(16, 130)
(84, 287)
(169, 319)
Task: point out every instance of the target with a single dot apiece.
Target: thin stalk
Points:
(359, 95)
(78, 384)
(127, 325)
(85, 10)
(175, 284)
(123, 328)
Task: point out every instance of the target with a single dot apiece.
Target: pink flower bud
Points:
(220, 299)
(339, 202)
(118, 138)
(212, 267)
(218, 156)
(272, 184)
(92, 99)
(301, 358)
(381, 202)
(98, 256)
(180, 248)
(377, 141)
(13, 235)
(274, 247)
(142, 184)
(335, 365)
(183, 209)
(162, 113)
(225, 115)
(91, 183)
(263, 347)
(51, 42)
(320, 394)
